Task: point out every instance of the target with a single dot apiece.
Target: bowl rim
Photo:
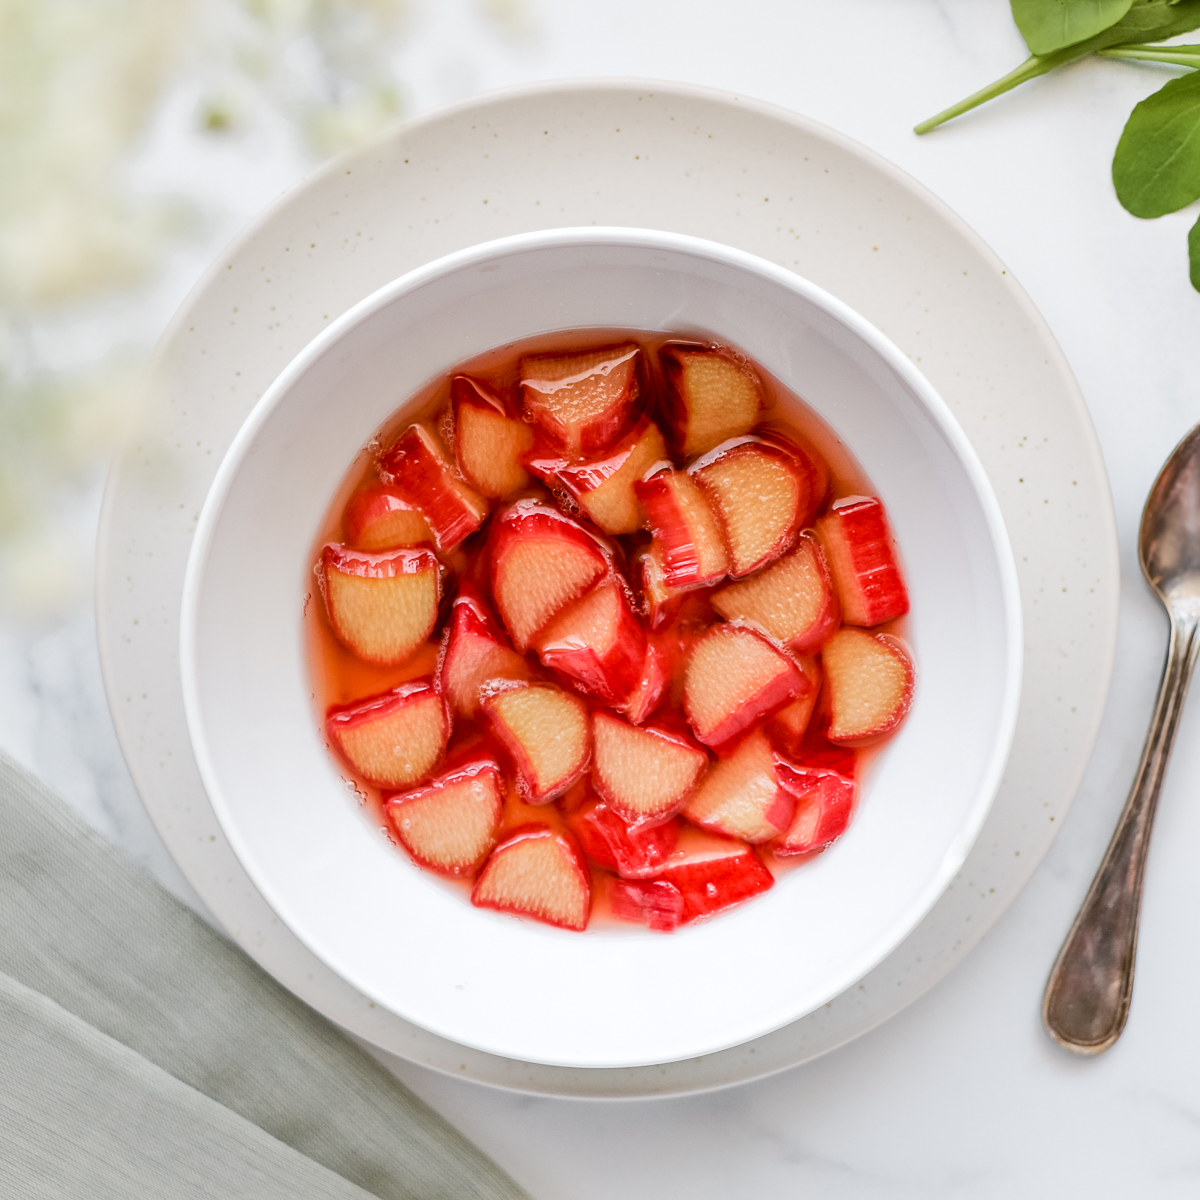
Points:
(625, 237)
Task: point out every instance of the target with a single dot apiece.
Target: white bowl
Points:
(513, 987)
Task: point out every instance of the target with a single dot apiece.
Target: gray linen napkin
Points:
(138, 1046)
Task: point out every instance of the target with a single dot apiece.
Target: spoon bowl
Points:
(1169, 542)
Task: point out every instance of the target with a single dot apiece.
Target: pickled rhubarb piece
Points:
(710, 396)
(735, 679)
(597, 642)
(604, 487)
(653, 902)
(449, 825)
(546, 731)
(583, 402)
(381, 606)
(379, 518)
(632, 851)
(862, 559)
(788, 727)
(537, 873)
(415, 466)
(824, 787)
(646, 774)
(474, 653)
(870, 683)
(651, 688)
(743, 796)
(685, 527)
(792, 601)
(395, 739)
(760, 494)
(713, 873)
(661, 600)
(540, 562)
(488, 443)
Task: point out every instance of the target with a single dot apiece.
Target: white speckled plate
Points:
(659, 156)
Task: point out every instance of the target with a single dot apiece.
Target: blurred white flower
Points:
(81, 83)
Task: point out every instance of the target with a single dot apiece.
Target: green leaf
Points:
(1194, 255)
(1146, 21)
(1179, 56)
(1049, 25)
(1156, 168)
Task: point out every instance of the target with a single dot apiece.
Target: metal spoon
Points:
(1088, 993)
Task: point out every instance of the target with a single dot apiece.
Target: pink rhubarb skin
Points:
(869, 683)
(582, 402)
(704, 876)
(632, 851)
(762, 493)
(394, 739)
(381, 606)
(449, 825)
(824, 787)
(378, 517)
(604, 488)
(691, 549)
(488, 444)
(474, 652)
(598, 643)
(540, 562)
(539, 873)
(734, 680)
(416, 466)
(862, 560)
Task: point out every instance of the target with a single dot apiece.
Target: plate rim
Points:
(556, 1081)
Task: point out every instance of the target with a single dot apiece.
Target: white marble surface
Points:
(961, 1095)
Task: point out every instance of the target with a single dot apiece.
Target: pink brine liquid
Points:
(605, 627)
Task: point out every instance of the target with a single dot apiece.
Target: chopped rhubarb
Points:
(824, 787)
(449, 825)
(862, 559)
(710, 396)
(415, 465)
(661, 600)
(488, 443)
(652, 902)
(584, 402)
(632, 851)
(381, 606)
(713, 873)
(791, 601)
(761, 495)
(537, 873)
(540, 562)
(474, 653)
(744, 796)
(378, 517)
(546, 732)
(646, 774)
(395, 739)
(685, 527)
(651, 689)
(870, 683)
(734, 680)
(597, 642)
(604, 487)
(788, 727)
(645, 637)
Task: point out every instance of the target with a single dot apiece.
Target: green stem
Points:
(1147, 21)
(1180, 56)
(1031, 68)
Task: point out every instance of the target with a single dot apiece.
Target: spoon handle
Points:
(1088, 993)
